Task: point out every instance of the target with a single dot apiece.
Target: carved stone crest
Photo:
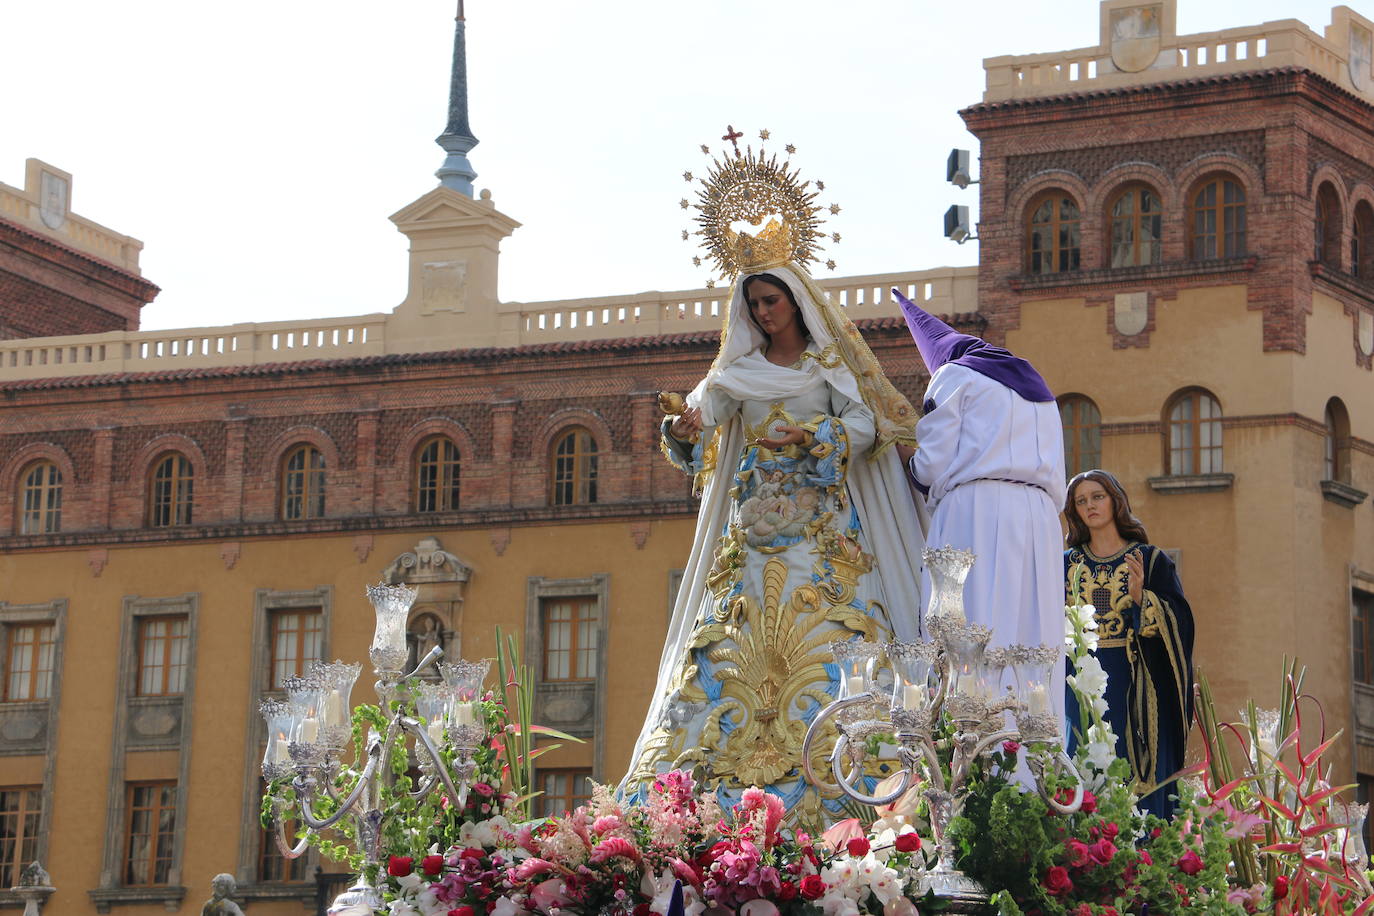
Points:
(1131, 312)
(1361, 57)
(53, 194)
(443, 287)
(1135, 37)
(1366, 333)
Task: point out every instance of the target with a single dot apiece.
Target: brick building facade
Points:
(229, 491)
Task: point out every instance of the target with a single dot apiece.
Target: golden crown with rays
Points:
(748, 187)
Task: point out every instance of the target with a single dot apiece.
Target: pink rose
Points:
(1078, 853)
(483, 789)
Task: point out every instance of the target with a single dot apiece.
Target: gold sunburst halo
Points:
(753, 187)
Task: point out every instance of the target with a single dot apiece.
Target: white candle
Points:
(463, 714)
(912, 696)
(310, 730)
(854, 685)
(333, 709)
(436, 732)
(280, 754)
(1039, 700)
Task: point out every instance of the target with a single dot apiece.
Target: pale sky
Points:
(258, 147)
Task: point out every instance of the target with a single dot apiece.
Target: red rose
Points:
(858, 846)
(908, 842)
(1057, 881)
(1078, 853)
(787, 891)
(642, 910)
(1102, 851)
(1010, 747)
(1189, 863)
(400, 866)
(472, 852)
(813, 887)
(462, 911)
(1089, 802)
(1280, 887)
(1110, 830)
(432, 865)
(483, 789)
(1146, 857)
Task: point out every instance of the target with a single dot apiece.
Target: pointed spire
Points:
(457, 139)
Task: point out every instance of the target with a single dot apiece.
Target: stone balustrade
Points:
(1281, 43)
(946, 290)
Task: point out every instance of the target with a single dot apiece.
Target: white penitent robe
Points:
(994, 466)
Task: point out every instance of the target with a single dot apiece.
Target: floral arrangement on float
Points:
(1259, 828)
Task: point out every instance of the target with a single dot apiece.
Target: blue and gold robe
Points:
(1147, 651)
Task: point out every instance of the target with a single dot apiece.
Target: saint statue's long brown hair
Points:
(1127, 525)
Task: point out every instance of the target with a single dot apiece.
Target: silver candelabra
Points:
(954, 677)
(308, 731)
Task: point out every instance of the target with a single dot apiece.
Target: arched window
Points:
(1326, 232)
(302, 483)
(1193, 433)
(1137, 216)
(1218, 213)
(1082, 434)
(574, 468)
(1362, 241)
(1337, 450)
(1053, 234)
(40, 499)
(171, 490)
(436, 475)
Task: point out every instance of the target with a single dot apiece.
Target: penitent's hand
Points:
(791, 435)
(1135, 575)
(687, 424)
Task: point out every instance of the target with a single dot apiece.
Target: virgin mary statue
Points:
(807, 533)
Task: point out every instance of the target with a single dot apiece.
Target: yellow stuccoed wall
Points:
(496, 595)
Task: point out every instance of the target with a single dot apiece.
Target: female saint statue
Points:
(1144, 632)
(807, 532)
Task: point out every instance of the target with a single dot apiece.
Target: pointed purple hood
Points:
(940, 344)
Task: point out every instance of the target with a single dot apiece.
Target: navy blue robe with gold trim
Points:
(1147, 651)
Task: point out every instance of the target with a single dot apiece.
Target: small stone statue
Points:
(222, 888)
(34, 875)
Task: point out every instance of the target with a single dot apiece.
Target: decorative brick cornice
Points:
(1228, 88)
(1133, 276)
(111, 275)
(461, 519)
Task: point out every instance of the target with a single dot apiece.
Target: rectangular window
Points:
(21, 808)
(570, 638)
(1362, 636)
(149, 832)
(296, 641)
(162, 646)
(29, 661)
(564, 790)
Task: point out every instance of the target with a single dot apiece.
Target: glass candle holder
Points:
(858, 662)
(392, 605)
(915, 675)
(281, 722)
(338, 679)
(965, 647)
(1034, 667)
(948, 567)
(305, 695)
(434, 703)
